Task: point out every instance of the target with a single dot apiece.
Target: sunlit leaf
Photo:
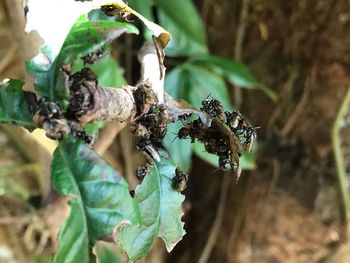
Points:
(144, 7)
(160, 33)
(203, 84)
(183, 21)
(14, 108)
(160, 207)
(83, 38)
(99, 199)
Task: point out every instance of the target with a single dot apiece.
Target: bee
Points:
(213, 108)
(183, 133)
(250, 137)
(93, 57)
(234, 120)
(224, 160)
(111, 10)
(82, 135)
(142, 171)
(179, 181)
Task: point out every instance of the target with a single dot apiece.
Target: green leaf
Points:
(175, 82)
(83, 38)
(160, 207)
(144, 7)
(202, 83)
(235, 72)
(14, 109)
(183, 21)
(162, 36)
(180, 151)
(99, 199)
(106, 253)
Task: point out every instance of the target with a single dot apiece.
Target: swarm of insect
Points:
(227, 136)
(213, 108)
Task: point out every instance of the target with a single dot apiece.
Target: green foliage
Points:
(84, 37)
(188, 34)
(160, 208)
(13, 107)
(235, 72)
(99, 199)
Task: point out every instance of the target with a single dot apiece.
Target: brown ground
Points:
(288, 210)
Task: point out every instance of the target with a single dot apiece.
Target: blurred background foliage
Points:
(284, 65)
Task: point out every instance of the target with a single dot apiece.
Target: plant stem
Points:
(339, 157)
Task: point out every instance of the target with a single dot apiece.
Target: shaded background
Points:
(286, 210)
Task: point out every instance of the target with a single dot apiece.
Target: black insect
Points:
(93, 57)
(183, 133)
(109, 10)
(146, 146)
(85, 74)
(234, 120)
(142, 171)
(132, 193)
(250, 136)
(213, 108)
(224, 161)
(179, 181)
(82, 135)
(48, 109)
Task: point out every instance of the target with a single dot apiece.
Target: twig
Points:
(339, 157)
(107, 135)
(8, 58)
(238, 47)
(294, 117)
(126, 145)
(214, 232)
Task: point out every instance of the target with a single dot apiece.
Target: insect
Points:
(82, 135)
(213, 108)
(142, 171)
(179, 181)
(224, 160)
(93, 57)
(111, 10)
(183, 133)
(234, 120)
(250, 137)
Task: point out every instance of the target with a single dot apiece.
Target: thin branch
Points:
(294, 117)
(242, 26)
(107, 135)
(214, 232)
(339, 157)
